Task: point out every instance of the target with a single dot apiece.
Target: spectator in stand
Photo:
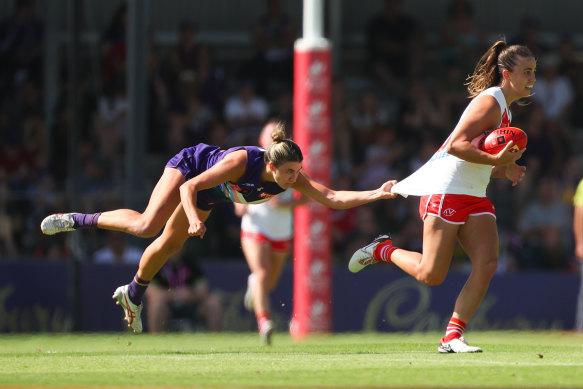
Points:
(110, 124)
(273, 38)
(542, 145)
(448, 94)
(365, 120)
(571, 62)
(113, 46)
(27, 100)
(379, 156)
(180, 290)
(394, 44)
(117, 250)
(158, 99)
(8, 247)
(195, 60)
(21, 43)
(555, 92)
(578, 233)
(15, 162)
(571, 66)
(212, 81)
(245, 112)
(190, 120)
(342, 156)
(186, 55)
(529, 35)
(282, 106)
(422, 114)
(543, 224)
(462, 36)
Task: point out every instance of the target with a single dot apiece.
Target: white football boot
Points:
(458, 345)
(364, 256)
(132, 312)
(266, 331)
(58, 222)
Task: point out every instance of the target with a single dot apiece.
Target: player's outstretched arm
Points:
(341, 199)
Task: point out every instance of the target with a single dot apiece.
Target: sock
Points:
(455, 329)
(384, 250)
(136, 289)
(262, 318)
(86, 220)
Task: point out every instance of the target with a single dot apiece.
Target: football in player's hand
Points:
(496, 140)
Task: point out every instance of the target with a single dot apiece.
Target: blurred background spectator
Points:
(118, 250)
(394, 47)
(273, 37)
(21, 44)
(178, 297)
(543, 225)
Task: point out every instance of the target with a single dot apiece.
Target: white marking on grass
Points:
(439, 359)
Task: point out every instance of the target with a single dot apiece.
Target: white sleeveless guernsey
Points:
(276, 223)
(447, 174)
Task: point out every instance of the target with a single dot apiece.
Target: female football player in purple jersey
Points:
(192, 183)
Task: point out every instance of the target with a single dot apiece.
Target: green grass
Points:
(510, 359)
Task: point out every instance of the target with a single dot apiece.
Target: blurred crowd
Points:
(387, 120)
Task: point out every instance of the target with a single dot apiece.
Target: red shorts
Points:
(281, 246)
(454, 208)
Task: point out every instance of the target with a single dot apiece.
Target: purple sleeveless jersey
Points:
(248, 190)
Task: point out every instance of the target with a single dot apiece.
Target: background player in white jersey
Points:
(266, 239)
(452, 186)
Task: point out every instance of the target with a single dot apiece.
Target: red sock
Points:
(262, 318)
(455, 329)
(384, 250)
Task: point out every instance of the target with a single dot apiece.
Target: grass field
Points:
(229, 360)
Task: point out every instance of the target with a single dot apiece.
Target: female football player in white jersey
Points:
(452, 187)
(266, 239)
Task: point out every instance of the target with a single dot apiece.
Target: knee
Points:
(146, 229)
(430, 278)
(487, 269)
(261, 277)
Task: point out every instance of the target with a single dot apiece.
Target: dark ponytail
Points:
(488, 71)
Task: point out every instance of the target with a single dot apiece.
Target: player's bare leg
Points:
(163, 200)
(129, 297)
(479, 238)
(431, 267)
(171, 241)
(276, 262)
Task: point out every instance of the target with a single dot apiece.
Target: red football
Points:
(495, 141)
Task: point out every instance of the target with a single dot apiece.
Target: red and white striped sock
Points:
(455, 329)
(384, 250)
